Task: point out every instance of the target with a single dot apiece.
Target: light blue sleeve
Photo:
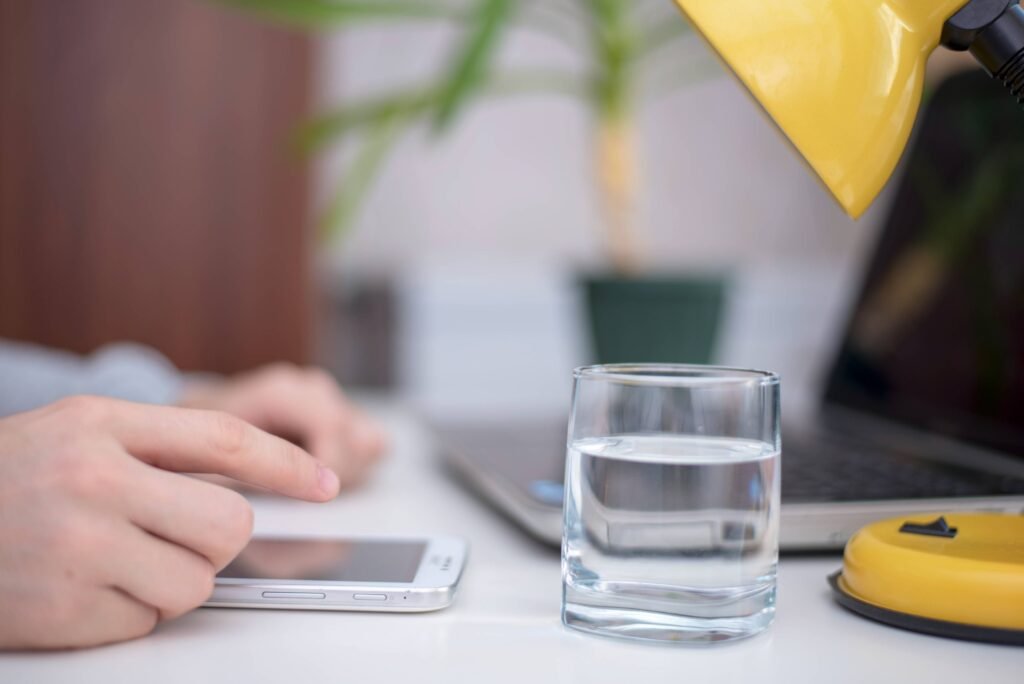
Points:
(32, 376)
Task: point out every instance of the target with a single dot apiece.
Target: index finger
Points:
(197, 441)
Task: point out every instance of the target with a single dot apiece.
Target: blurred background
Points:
(154, 187)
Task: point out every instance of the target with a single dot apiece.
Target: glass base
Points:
(646, 625)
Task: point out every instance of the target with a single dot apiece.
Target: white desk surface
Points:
(504, 625)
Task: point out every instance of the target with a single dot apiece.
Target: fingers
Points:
(171, 579)
(190, 440)
(302, 403)
(368, 437)
(310, 405)
(102, 616)
(350, 444)
(331, 448)
(212, 521)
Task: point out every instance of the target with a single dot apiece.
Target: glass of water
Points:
(671, 502)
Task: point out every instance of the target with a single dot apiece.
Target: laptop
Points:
(923, 408)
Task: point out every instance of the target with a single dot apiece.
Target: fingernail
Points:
(327, 479)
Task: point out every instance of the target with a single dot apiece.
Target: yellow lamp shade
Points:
(841, 78)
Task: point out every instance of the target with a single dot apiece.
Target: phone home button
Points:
(370, 597)
(293, 595)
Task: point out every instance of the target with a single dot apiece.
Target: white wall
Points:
(512, 184)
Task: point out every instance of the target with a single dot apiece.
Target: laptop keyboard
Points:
(815, 468)
(829, 469)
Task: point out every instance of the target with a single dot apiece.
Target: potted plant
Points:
(635, 316)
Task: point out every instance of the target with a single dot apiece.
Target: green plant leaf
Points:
(406, 104)
(614, 48)
(663, 33)
(384, 118)
(356, 181)
(417, 103)
(604, 11)
(472, 60)
(322, 13)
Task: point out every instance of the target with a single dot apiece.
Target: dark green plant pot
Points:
(655, 319)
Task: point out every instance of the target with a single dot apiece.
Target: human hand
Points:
(303, 405)
(101, 538)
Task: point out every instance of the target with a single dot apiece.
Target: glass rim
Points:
(682, 374)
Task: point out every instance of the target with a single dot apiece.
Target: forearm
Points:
(32, 376)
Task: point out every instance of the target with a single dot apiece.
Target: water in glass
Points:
(671, 537)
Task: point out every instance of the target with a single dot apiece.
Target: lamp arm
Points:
(993, 31)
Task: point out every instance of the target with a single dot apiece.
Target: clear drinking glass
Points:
(671, 502)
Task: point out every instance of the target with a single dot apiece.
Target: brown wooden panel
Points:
(146, 188)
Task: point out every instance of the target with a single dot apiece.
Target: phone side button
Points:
(370, 597)
(293, 595)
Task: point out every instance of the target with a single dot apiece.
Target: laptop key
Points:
(840, 472)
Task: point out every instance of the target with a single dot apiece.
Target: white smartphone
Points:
(367, 574)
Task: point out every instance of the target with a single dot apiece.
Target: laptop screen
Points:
(936, 336)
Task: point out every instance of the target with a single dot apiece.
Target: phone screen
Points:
(329, 560)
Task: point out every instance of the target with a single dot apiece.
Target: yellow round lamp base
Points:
(958, 575)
